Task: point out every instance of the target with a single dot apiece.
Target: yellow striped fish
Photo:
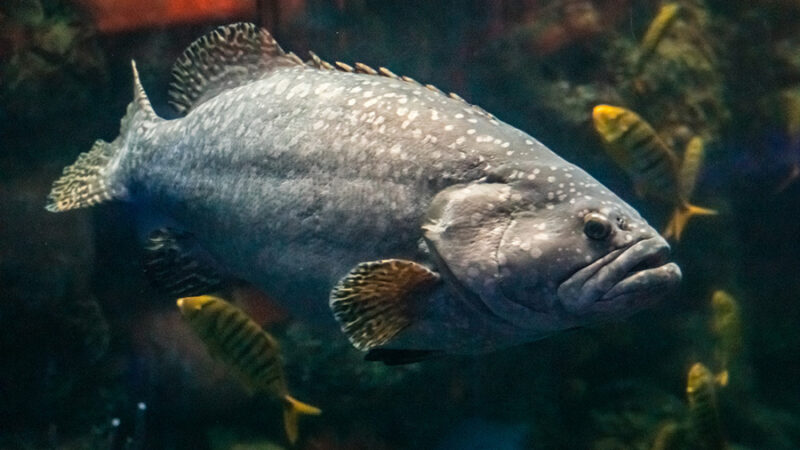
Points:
(693, 158)
(726, 325)
(703, 414)
(235, 339)
(653, 166)
(655, 32)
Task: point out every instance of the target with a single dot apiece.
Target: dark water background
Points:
(84, 340)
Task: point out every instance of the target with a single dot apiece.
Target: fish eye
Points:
(596, 226)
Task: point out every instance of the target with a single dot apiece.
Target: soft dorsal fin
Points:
(229, 56)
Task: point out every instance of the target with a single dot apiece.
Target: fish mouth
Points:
(625, 279)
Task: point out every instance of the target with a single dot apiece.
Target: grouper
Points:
(421, 223)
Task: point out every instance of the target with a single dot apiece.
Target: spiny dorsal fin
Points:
(455, 96)
(409, 80)
(375, 300)
(434, 89)
(174, 263)
(363, 68)
(230, 56)
(344, 67)
(387, 73)
(318, 63)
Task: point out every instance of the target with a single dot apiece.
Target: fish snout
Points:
(626, 279)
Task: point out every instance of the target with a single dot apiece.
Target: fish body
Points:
(703, 413)
(657, 172)
(345, 188)
(693, 158)
(254, 355)
(726, 325)
(663, 21)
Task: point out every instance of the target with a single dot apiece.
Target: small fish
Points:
(703, 413)
(693, 157)
(416, 222)
(789, 101)
(653, 166)
(235, 339)
(726, 325)
(655, 32)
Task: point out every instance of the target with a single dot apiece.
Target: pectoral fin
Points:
(375, 301)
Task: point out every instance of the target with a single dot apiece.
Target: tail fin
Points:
(681, 216)
(293, 408)
(93, 178)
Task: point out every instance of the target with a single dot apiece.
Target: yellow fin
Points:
(681, 216)
(722, 378)
(292, 409)
(690, 166)
(374, 301)
(655, 32)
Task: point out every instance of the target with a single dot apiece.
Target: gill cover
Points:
(463, 230)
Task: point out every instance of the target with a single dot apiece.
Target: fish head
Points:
(547, 247)
(191, 306)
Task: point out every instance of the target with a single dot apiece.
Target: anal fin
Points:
(375, 301)
(174, 263)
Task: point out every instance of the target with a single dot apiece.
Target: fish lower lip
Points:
(634, 269)
(659, 278)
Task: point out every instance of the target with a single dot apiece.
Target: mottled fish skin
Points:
(295, 178)
(306, 173)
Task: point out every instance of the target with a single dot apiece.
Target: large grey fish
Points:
(424, 223)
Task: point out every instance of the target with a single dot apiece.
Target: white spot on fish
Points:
(536, 252)
(356, 90)
(448, 127)
(282, 85)
(459, 116)
(551, 179)
(460, 140)
(351, 102)
(321, 88)
(370, 102)
(471, 131)
(402, 111)
(435, 115)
